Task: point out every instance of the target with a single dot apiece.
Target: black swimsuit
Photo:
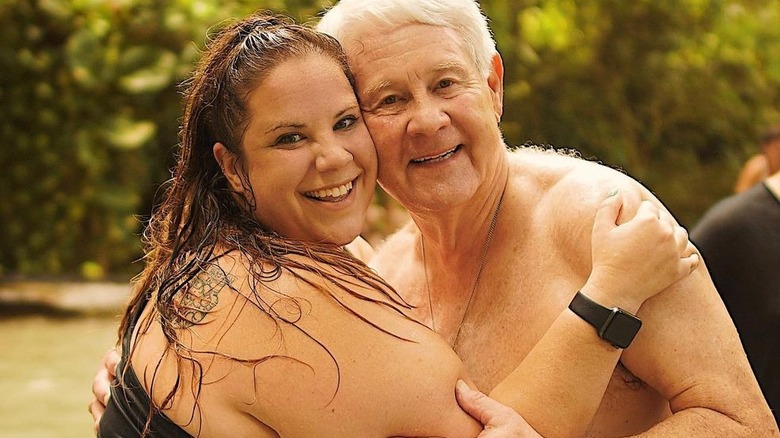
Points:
(128, 408)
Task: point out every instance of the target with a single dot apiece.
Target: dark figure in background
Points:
(739, 239)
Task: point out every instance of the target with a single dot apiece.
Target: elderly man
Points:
(500, 240)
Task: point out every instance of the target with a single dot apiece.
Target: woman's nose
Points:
(332, 156)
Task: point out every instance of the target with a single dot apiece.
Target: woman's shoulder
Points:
(306, 342)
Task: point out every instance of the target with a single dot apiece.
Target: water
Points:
(46, 368)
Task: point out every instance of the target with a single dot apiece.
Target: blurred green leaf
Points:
(152, 68)
(125, 133)
(674, 92)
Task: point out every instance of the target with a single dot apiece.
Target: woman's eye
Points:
(345, 123)
(288, 139)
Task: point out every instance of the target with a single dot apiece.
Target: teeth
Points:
(333, 192)
(440, 157)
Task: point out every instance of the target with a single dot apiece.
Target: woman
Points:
(249, 318)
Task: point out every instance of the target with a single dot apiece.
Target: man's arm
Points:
(690, 352)
(101, 385)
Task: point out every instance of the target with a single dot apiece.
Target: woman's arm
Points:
(567, 372)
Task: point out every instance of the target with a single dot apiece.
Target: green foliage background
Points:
(675, 92)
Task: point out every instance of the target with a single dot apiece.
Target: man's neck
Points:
(461, 229)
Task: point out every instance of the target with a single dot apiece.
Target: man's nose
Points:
(332, 155)
(427, 116)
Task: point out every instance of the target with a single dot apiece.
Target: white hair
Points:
(462, 16)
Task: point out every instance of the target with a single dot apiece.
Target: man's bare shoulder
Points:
(567, 186)
(396, 259)
(397, 244)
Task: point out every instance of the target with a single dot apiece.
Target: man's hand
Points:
(498, 420)
(101, 385)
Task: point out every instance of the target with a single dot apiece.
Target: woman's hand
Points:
(639, 258)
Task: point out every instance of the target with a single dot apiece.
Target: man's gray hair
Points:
(462, 16)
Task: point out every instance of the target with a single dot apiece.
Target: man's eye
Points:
(288, 139)
(389, 100)
(345, 123)
(444, 83)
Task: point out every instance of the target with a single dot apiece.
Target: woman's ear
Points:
(228, 161)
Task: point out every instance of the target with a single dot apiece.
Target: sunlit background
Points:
(675, 93)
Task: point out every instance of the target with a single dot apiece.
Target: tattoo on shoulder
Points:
(201, 295)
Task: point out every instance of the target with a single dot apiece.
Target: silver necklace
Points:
(482, 260)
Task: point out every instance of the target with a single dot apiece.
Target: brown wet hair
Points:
(201, 219)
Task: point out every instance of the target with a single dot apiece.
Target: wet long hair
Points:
(200, 218)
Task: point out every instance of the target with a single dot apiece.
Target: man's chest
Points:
(514, 304)
(509, 319)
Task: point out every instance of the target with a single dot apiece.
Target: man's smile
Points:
(437, 158)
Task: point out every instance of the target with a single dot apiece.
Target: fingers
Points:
(608, 212)
(499, 421)
(111, 361)
(97, 410)
(669, 221)
(691, 258)
(101, 385)
(689, 255)
(681, 238)
(648, 210)
(474, 402)
(483, 408)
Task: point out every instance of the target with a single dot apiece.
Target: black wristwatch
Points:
(615, 325)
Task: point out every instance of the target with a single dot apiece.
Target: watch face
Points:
(621, 329)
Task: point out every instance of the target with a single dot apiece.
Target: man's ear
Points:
(496, 84)
(228, 162)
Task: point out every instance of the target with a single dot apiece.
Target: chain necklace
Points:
(482, 260)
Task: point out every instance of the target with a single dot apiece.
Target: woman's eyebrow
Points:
(284, 126)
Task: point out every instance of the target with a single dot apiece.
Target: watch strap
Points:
(614, 325)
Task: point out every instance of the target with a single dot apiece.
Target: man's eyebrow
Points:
(376, 88)
(450, 66)
(447, 66)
